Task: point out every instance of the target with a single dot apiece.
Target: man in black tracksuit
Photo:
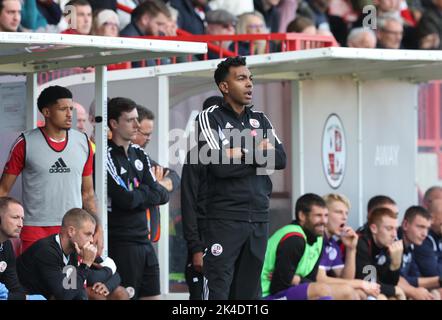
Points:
(193, 211)
(379, 255)
(132, 188)
(238, 145)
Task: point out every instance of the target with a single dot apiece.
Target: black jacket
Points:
(240, 189)
(188, 19)
(132, 189)
(8, 276)
(193, 203)
(368, 254)
(40, 269)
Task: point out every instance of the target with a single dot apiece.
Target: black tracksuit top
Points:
(132, 189)
(8, 274)
(238, 191)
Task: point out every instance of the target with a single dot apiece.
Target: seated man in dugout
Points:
(413, 232)
(338, 259)
(51, 266)
(379, 254)
(293, 254)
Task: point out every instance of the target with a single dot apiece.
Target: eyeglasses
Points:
(145, 134)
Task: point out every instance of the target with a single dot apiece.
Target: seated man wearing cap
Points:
(220, 22)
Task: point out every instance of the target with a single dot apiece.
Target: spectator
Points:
(336, 267)
(81, 117)
(10, 15)
(432, 18)
(361, 38)
(268, 9)
(235, 7)
(293, 255)
(429, 254)
(83, 15)
(302, 25)
(166, 177)
(432, 193)
(220, 22)
(428, 36)
(56, 167)
(41, 15)
(151, 18)
(172, 26)
(11, 222)
(317, 11)
(379, 255)
(390, 32)
(287, 13)
(192, 17)
(105, 23)
(414, 230)
(123, 16)
(132, 188)
(251, 23)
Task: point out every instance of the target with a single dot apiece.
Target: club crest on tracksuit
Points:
(4, 265)
(139, 165)
(216, 249)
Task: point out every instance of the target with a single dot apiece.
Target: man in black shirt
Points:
(51, 266)
(132, 188)
(193, 211)
(240, 148)
(379, 254)
(11, 222)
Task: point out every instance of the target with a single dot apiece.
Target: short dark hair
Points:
(428, 193)
(78, 3)
(378, 213)
(378, 201)
(117, 106)
(222, 70)
(49, 96)
(306, 202)
(211, 101)
(144, 113)
(76, 217)
(414, 211)
(6, 201)
(152, 8)
(299, 24)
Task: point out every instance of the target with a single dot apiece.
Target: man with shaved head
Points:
(429, 254)
(81, 117)
(433, 193)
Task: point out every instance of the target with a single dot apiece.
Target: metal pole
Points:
(297, 143)
(360, 156)
(31, 100)
(163, 158)
(101, 148)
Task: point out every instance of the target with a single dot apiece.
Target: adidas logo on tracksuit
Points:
(59, 167)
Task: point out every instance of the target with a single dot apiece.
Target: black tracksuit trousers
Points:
(234, 259)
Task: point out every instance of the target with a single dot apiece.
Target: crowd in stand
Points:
(391, 24)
